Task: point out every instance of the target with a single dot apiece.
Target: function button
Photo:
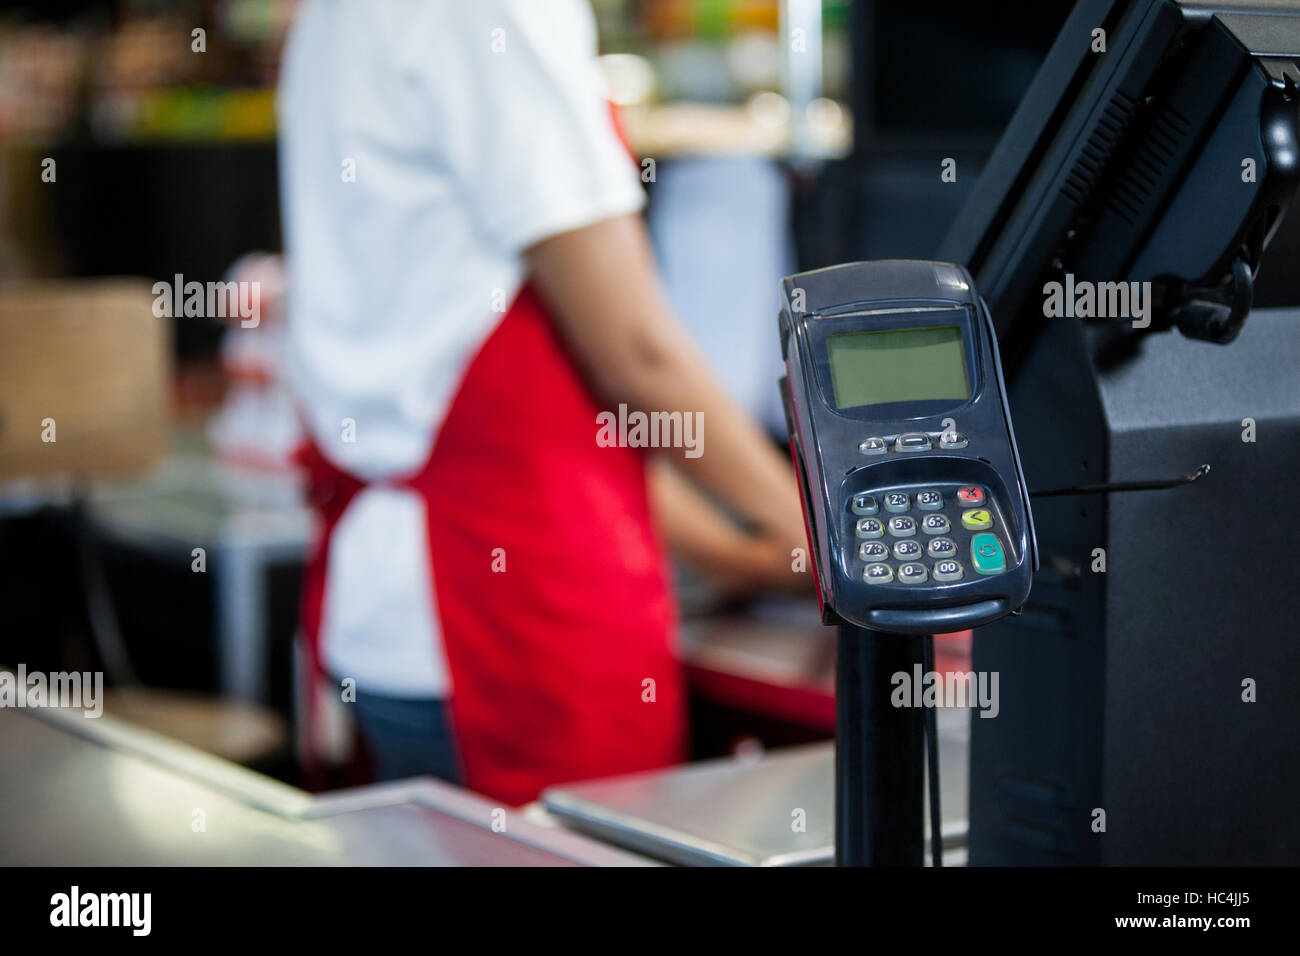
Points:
(929, 500)
(941, 548)
(870, 528)
(913, 441)
(907, 550)
(986, 554)
(872, 551)
(912, 574)
(877, 574)
(947, 571)
(978, 519)
(935, 524)
(901, 526)
(872, 446)
(953, 440)
(972, 496)
(864, 505)
(897, 502)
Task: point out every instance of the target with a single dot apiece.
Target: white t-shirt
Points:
(424, 144)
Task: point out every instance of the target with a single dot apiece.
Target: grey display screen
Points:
(898, 365)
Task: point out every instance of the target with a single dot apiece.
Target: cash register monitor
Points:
(1158, 143)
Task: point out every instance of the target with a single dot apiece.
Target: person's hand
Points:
(732, 558)
(783, 564)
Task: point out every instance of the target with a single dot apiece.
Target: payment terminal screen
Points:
(898, 365)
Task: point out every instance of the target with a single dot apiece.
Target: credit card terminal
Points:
(917, 511)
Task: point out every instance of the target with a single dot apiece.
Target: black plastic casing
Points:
(1113, 167)
(878, 296)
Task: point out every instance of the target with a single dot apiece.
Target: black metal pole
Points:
(879, 752)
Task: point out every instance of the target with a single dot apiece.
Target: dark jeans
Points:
(407, 736)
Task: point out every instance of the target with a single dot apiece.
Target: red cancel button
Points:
(970, 496)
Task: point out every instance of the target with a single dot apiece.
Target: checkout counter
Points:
(95, 792)
(79, 791)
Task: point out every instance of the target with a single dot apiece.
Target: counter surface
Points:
(777, 810)
(89, 792)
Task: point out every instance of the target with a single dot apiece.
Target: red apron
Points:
(551, 588)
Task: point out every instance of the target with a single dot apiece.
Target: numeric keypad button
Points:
(897, 502)
(912, 574)
(877, 574)
(864, 505)
(908, 549)
(870, 551)
(947, 571)
(870, 528)
(929, 500)
(935, 524)
(902, 526)
(941, 548)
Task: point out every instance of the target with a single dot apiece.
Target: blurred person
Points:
(470, 288)
(257, 424)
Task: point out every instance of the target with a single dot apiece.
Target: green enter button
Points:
(987, 555)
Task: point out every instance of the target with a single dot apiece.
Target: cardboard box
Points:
(87, 364)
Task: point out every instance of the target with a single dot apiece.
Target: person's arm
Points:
(711, 543)
(602, 288)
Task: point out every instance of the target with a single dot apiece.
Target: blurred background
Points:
(172, 559)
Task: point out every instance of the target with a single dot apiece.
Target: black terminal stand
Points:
(878, 752)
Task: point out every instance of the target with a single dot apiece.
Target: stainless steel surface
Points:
(78, 791)
(129, 740)
(719, 812)
(745, 812)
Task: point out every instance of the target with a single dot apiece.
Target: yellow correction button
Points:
(977, 519)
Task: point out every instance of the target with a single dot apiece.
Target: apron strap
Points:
(329, 491)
